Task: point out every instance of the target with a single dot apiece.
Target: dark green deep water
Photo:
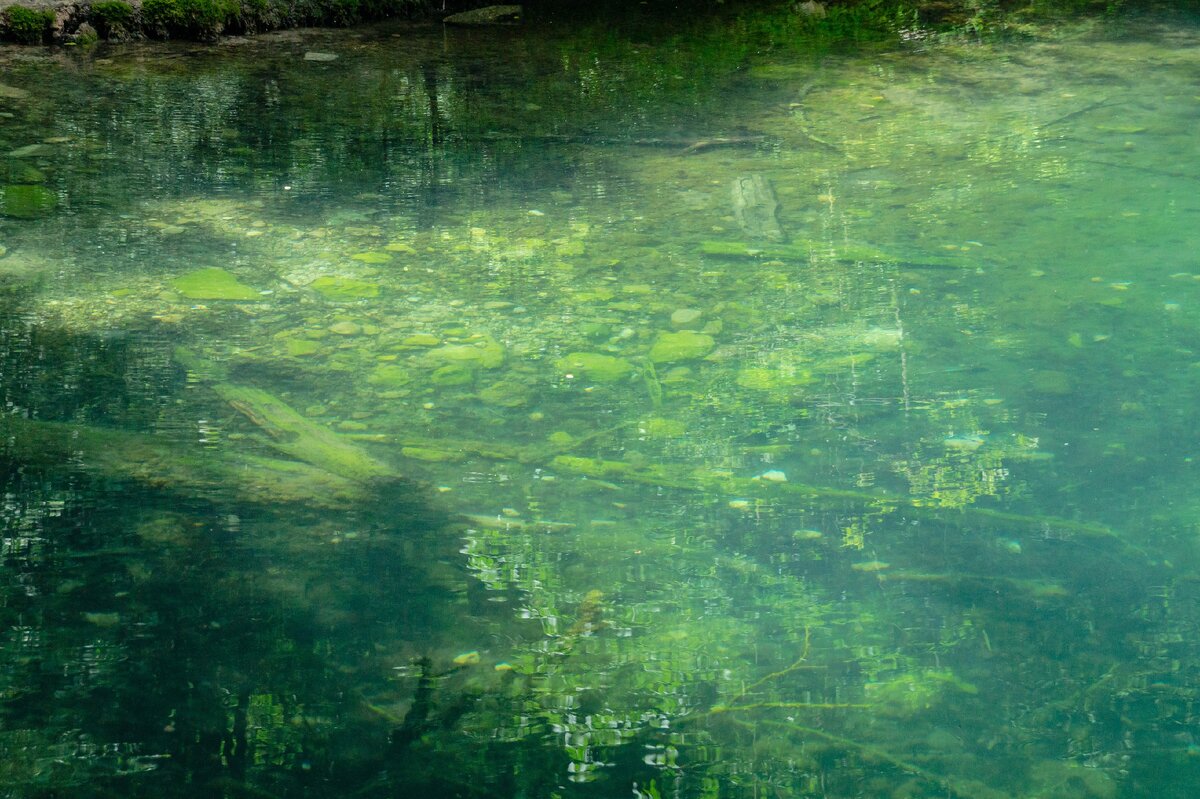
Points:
(424, 423)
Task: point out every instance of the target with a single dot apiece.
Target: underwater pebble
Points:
(773, 476)
(685, 317)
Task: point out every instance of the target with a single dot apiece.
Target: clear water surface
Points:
(408, 412)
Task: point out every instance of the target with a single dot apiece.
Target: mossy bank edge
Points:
(82, 22)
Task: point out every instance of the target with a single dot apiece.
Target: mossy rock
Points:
(213, 283)
(487, 353)
(595, 366)
(300, 347)
(430, 455)
(684, 345)
(421, 340)
(660, 427)
(372, 257)
(27, 201)
(389, 375)
(344, 289)
(505, 394)
(20, 172)
(452, 374)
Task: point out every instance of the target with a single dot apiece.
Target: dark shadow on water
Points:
(161, 641)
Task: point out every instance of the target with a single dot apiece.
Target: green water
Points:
(429, 422)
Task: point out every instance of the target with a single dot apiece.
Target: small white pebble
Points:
(773, 476)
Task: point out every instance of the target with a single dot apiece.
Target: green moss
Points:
(27, 201)
(112, 18)
(344, 289)
(486, 353)
(372, 257)
(213, 283)
(194, 18)
(298, 347)
(430, 454)
(452, 374)
(595, 366)
(505, 394)
(389, 376)
(25, 173)
(27, 25)
(685, 345)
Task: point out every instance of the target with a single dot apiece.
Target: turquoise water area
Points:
(681, 410)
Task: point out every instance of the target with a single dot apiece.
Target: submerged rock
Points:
(389, 376)
(452, 374)
(344, 289)
(505, 394)
(595, 366)
(685, 345)
(213, 283)
(20, 272)
(487, 353)
(686, 318)
(31, 151)
(27, 201)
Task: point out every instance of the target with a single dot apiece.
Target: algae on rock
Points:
(27, 201)
(214, 283)
(682, 345)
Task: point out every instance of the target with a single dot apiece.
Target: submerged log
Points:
(286, 430)
(160, 463)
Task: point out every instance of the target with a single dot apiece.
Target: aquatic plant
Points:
(112, 18)
(26, 25)
(195, 18)
(26, 201)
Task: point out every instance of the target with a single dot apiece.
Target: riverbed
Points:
(672, 408)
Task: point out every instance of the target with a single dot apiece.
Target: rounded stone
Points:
(686, 318)
(685, 345)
